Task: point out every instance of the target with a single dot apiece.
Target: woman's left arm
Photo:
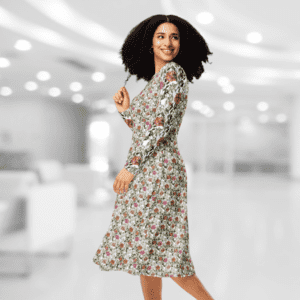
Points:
(172, 94)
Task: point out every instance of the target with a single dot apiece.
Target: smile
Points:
(167, 51)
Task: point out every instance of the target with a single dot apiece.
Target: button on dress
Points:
(149, 232)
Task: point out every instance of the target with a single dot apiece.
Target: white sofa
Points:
(37, 215)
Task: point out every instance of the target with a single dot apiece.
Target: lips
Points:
(167, 51)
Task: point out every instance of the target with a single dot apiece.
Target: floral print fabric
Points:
(149, 232)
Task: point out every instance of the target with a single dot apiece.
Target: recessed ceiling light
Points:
(75, 86)
(4, 62)
(43, 75)
(54, 92)
(23, 45)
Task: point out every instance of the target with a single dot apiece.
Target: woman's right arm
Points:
(126, 116)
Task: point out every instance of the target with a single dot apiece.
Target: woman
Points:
(149, 233)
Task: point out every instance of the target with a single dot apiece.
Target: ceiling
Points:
(71, 39)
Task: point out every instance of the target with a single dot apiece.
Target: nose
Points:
(169, 44)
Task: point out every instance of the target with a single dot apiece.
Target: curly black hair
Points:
(139, 61)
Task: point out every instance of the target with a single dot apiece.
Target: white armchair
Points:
(37, 216)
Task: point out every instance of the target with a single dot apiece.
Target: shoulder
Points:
(173, 72)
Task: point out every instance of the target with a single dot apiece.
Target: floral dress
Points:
(149, 233)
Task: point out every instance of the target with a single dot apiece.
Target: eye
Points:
(173, 36)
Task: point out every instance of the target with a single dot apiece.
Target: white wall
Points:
(49, 128)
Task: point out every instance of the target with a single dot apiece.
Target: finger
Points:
(114, 187)
(119, 97)
(118, 186)
(126, 187)
(116, 100)
(123, 188)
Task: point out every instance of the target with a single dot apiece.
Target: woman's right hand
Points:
(122, 99)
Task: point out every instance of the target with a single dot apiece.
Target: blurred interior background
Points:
(62, 143)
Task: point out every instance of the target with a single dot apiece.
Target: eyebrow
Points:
(164, 33)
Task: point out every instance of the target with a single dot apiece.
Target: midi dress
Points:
(149, 231)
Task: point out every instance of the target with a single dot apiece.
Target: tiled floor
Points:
(244, 241)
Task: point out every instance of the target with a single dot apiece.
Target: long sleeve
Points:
(171, 95)
(126, 116)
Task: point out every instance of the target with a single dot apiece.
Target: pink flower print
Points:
(126, 220)
(153, 227)
(159, 243)
(132, 108)
(171, 275)
(165, 203)
(147, 106)
(180, 251)
(174, 178)
(175, 235)
(149, 268)
(182, 211)
(154, 172)
(117, 237)
(147, 123)
(142, 252)
(144, 188)
(165, 260)
(178, 153)
(134, 265)
(116, 206)
(137, 239)
(165, 161)
(150, 126)
(161, 85)
(135, 204)
(108, 253)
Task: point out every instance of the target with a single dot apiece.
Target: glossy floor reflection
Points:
(244, 240)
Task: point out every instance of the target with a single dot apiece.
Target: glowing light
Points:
(223, 81)
(98, 76)
(77, 98)
(228, 106)
(205, 109)
(5, 91)
(281, 118)
(4, 62)
(205, 17)
(262, 106)
(75, 86)
(23, 45)
(254, 37)
(197, 105)
(43, 75)
(54, 92)
(228, 89)
(30, 86)
(99, 130)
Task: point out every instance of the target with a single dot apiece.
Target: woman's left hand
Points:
(122, 181)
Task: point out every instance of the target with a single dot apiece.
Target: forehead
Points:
(167, 28)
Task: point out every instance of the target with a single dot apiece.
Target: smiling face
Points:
(165, 37)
